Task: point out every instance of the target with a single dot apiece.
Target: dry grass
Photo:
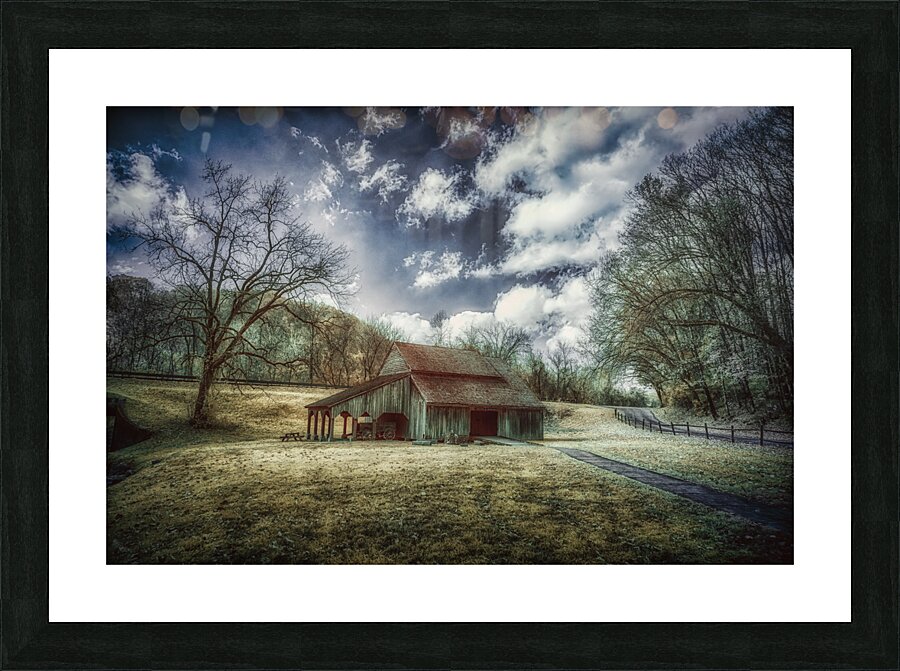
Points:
(761, 473)
(237, 495)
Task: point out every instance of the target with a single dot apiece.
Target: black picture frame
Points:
(30, 29)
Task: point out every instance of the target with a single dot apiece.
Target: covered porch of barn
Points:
(380, 409)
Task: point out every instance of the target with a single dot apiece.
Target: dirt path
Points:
(772, 516)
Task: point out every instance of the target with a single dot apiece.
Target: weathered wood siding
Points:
(394, 363)
(441, 420)
(398, 396)
(520, 424)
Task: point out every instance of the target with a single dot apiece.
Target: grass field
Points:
(236, 494)
(762, 473)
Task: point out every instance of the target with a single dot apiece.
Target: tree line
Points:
(698, 300)
(318, 344)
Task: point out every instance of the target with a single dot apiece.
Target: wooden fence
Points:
(726, 433)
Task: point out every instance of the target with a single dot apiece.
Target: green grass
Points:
(765, 474)
(235, 494)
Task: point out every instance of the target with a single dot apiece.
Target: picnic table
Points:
(292, 435)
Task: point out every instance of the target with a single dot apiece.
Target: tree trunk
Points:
(200, 416)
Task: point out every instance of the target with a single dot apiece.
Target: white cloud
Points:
(322, 188)
(456, 325)
(572, 302)
(528, 256)
(414, 327)
(433, 271)
(357, 157)
(567, 334)
(436, 194)
(523, 306)
(380, 120)
(136, 187)
(386, 180)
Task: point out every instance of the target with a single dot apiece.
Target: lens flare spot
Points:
(267, 117)
(667, 118)
(247, 115)
(190, 118)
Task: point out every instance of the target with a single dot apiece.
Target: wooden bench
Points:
(293, 435)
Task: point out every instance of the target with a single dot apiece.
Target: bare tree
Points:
(439, 333)
(500, 340)
(238, 258)
(374, 340)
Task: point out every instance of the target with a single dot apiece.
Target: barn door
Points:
(483, 423)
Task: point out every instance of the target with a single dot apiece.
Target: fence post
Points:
(761, 432)
(673, 427)
(660, 426)
(689, 429)
(642, 423)
(706, 430)
(732, 433)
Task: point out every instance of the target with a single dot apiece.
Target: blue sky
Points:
(487, 213)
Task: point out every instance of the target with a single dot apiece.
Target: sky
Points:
(490, 214)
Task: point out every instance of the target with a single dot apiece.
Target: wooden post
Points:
(673, 427)
(642, 423)
(344, 434)
(330, 427)
(660, 426)
(689, 429)
(761, 432)
(706, 430)
(308, 423)
(732, 433)
(316, 427)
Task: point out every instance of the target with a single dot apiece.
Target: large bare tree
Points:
(240, 261)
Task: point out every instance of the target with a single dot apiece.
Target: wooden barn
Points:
(430, 392)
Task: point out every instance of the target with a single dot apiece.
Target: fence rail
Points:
(175, 377)
(727, 433)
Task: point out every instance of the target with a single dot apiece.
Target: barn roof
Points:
(356, 390)
(448, 360)
(486, 392)
(448, 376)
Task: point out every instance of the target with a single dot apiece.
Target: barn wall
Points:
(398, 396)
(394, 363)
(441, 420)
(521, 424)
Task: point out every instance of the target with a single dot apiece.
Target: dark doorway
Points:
(391, 426)
(483, 423)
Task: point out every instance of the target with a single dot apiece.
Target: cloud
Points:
(457, 324)
(156, 152)
(380, 120)
(133, 186)
(386, 180)
(357, 157)
(522, 306)
(322, 188)
(414, 327)
(436, 194)
(435, 270)
(565, 182)
(568, 334)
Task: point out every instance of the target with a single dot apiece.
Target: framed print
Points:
(449, 335)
